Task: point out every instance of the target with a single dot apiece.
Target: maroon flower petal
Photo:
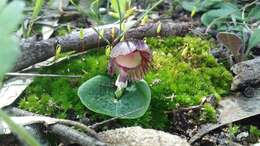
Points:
(111, 67)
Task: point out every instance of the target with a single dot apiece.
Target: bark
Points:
(34, 51)
(247, 73)
(64, 133)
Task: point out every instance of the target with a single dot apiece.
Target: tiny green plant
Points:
(233, 130)
(131, 58)
(254, 133)
(208, 113)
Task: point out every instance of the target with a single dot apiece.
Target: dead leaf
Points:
(57, 7)
(12, 89)
(49, 28)
(232, 42)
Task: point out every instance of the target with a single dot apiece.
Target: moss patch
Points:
(183, 72)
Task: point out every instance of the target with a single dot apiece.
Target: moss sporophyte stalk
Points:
(188, 76)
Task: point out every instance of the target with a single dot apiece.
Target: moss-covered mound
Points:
(183, 72)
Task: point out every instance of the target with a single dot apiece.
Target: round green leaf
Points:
(97, 94)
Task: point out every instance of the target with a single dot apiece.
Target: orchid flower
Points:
(132, 59)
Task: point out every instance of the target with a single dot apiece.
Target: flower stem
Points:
(119, 92)
(121, 83)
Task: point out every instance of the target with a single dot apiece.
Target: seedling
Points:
(103, 95)
(131, 59)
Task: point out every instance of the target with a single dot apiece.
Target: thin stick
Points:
(41, 75)
(100, 35)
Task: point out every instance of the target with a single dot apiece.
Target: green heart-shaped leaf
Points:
(97, 94)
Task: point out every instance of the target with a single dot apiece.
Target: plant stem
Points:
(36, 10)
(101, 36)
(119, 92)
(138, 20)
(120, 15)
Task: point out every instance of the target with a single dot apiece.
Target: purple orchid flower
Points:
(132, 58)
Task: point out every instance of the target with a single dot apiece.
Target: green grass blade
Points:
(120, 14)
(36, 11)
(139, 19)
(19, 130)
(37, 8)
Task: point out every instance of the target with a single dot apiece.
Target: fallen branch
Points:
(34, 51)
(66, 133)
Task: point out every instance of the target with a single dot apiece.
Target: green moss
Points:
(209, 113)
(233, 130)
(63, 91)
(254, 133)
(183, 72)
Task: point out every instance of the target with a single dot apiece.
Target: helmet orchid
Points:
(132, 59)
(102, 94)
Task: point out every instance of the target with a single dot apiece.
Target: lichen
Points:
(183, 71)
